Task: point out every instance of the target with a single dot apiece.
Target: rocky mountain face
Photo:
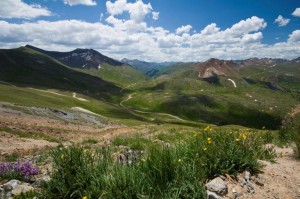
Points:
(297, 60)
(261, 62)
(215, 67)
(80, 58)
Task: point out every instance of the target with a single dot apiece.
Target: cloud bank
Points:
(80, 2)
(133, 38)
(18, 9)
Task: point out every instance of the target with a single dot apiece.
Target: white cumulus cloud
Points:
(80, 2)
(133, 38)
(295, 36)
(155, 15)
(296, 13)
(281, 21)
(19, 9)
(252, 38)
(210, 29)
(116, 8)
(137, 10)
(183, 29)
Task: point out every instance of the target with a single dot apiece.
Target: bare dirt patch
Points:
(14, 121)
(280, 180)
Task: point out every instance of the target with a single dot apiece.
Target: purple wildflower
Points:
(25, 170)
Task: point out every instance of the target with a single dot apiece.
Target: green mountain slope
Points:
(253, 102)
(94, 63)
(28, 67)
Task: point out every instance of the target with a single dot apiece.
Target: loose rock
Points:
(21, 189)
(218, 186)
(212, 195)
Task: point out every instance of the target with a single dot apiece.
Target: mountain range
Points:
(252, 92)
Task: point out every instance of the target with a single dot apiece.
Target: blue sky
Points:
(156, 30)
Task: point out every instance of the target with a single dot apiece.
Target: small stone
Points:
(247, 175)
(212, 195)
(12, 183)
(259, 183)
(218, 186)
(7, 187)
(21, 189)
(243, 182)
(222, 177)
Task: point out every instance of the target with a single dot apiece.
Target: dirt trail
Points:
(295, 111)
(85, 111)
(48, 91)
(148, 112)
(233, 82)
(79, 98)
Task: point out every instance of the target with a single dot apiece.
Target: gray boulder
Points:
(217, 186)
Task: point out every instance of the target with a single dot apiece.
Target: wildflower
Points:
(204, 149)
(209, 140)
(84, 197)
(179, 160)
(244, 136)
(281, 155)
(230, 132)
(196, 134)
(237, 139)
(25, 170)
(207, 128)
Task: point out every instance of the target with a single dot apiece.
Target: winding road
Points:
(147, 112)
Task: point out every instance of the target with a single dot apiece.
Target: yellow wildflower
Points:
(196, 134)
(207, 128)
(281, 155)
(230, 132)
(209, 140)
(237, 139)
(84, 197)
(244, 136)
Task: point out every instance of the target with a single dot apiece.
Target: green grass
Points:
(136, 142)
(13, 157)
(23, 97)
(89, 141)
(177, 170)
(32, 135)
(120, 75)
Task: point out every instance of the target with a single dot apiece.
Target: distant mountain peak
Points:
(215, 67)
(80, 58)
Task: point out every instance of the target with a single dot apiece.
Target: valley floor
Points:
(278, 180)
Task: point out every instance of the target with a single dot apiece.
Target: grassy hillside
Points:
(120, 75)
(24, 66)
(180, 92)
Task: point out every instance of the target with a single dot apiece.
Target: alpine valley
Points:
(155, 116)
